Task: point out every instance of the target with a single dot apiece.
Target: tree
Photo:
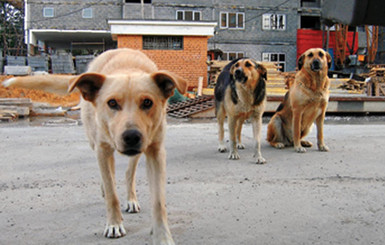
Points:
(11, 29)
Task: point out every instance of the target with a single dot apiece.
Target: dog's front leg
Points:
(114, 227)
(233, 141)
(297, 121)
(132, 205)
(320, 132)
(156, 172)
(257, 125)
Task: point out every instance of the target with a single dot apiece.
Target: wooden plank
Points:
(23, 102)
(20, 110)
(8, 115)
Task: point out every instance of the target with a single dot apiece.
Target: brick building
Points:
(176, 46)
(265, 30)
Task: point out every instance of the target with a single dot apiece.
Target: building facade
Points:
(265, 30)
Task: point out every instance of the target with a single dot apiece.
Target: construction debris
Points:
(353, 85)
(376, 83)
(11, 108)
(190, 107)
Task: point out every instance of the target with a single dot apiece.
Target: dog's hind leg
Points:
(239, 134)
(274, 132)
(132, 205)
(221, 115)
(114, 227)
(257, 125)
(156, 172)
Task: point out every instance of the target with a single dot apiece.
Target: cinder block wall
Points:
(190, 63)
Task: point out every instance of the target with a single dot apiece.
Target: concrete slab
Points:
(50, 189)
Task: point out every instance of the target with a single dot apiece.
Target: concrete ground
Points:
(50, 189)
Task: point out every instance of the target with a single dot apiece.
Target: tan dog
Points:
(123, 109)
(304, 104)
(240, 93)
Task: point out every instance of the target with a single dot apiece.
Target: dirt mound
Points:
(39, 96)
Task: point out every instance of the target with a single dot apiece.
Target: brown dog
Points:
(240, 93)
(123, 109)
(304, 104)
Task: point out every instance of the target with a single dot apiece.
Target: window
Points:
(87, 13)
(278, 58)
(310, 22)
(48, 12)
(188, 15)
(232, 20)
(274, 22)
(163, 42)
(232, 55)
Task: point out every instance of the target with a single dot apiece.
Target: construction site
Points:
(357, 81)
(51, 188)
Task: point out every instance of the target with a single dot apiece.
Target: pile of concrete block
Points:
(38, 63)
(16, 65)
(82, 62)
(62, 64)
(16, 60)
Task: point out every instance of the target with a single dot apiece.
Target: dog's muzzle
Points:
(240, 76)
(316, 65)
(132, 140)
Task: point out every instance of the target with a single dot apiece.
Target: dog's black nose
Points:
(316, 65)
(239, 75)
(132, 139)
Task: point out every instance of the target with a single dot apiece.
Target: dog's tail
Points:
(50, 83)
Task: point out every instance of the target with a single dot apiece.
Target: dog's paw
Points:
(222, 148)
(306, 143)
(300, 149)
(323, 148)
(114, 231)
(132, 207)
(279, 145)
(234, 155)
(162, 238)
(260, 160)
(240, 146)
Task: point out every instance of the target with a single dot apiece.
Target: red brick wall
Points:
(190, 63)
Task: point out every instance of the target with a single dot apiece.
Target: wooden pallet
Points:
(190, 107)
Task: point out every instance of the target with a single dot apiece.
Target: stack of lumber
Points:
(376, 84)
(12, 108)
(275, 79)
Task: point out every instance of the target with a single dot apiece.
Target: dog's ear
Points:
(329, 60)
(168, 81)
(88, 84)
(262, 71)
(301, 60)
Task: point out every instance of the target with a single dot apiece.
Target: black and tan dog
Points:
(123, 109)
(304, 104)
(240, 93)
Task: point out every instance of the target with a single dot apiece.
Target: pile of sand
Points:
(39, 96)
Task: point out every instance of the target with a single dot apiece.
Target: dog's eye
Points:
(321, 54)
(248, 64)
(310, 55)
(113, 104)
(237, 65)
(147, 104)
